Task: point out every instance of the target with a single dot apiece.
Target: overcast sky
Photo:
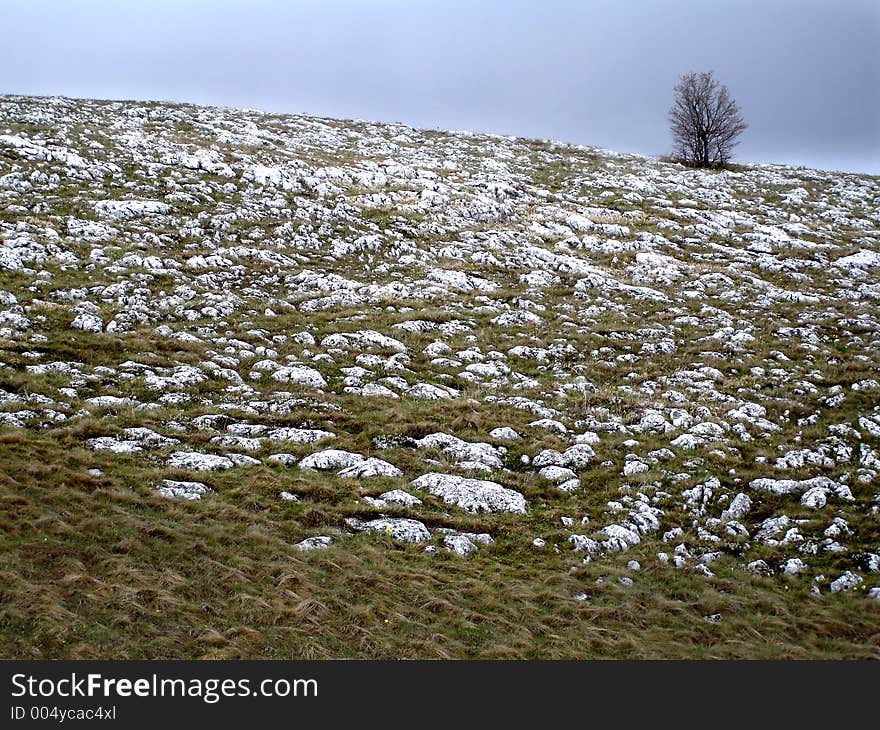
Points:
(805, 73)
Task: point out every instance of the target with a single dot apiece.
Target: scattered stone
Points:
(299, 375)
(459, 544)
(739, 508)
(287, 460)
(400, 529)
(371, 467)
(473, 495)
(504, 434)
(846, 582)
(319, 542)
(793, 567)
(87, 323)
(331, 459)
(196, 461)
(209, 231)
(793, 486)
(108, 443)
(582, 543)
(183, 490)
(758, 567)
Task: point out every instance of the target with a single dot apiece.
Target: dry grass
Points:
(99, 567)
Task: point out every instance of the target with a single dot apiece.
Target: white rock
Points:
(619, 537)
(432, 392)
(758, 567)
(459, 544)
(363, 340)
(300, 375)
(299, 436)
(183, 490)
(237, 442)
(87, 323)
(582, 543)
(399, 497)
(569, 485)
(330, 459)
(465, 453)
(862, 259)
(282, 459)
(242, 460)
(815, 498)
(550, 425)
(473, 495)
(633, 467)
(846, 582)
(120, 209)
(319, 542)
(504, 433)
(371, 390)
(148, 437)
(557, 474)
(578, 456)
(793, 566)
(371, 467)
(108, 443)
(109, 401)
(196, 461)
(739, 508)
(397, 528)
(792, 486)
(548, 457)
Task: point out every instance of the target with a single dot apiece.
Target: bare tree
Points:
(705, 121)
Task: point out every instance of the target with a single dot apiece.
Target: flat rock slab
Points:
(319, 542)
(371, 467)
(814, 486)
(397, 528)
(183, 490)
(331, 459)
(196, 461)
(300, 376)
(473, 495)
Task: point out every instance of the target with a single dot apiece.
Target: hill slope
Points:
(279, 386)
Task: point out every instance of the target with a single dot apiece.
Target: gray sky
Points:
(805, 73)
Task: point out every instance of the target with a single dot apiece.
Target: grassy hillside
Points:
(536, 400)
